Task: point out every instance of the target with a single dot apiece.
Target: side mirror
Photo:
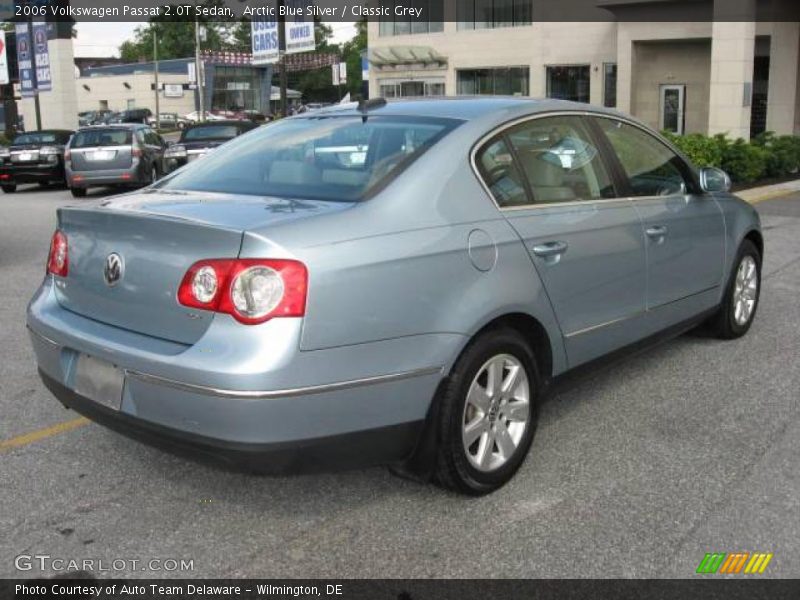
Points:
(714, 180)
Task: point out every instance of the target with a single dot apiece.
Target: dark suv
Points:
(124, 154)
(33, 157)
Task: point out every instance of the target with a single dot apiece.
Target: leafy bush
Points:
(767, 155)
(702, 150)
(745, 162)
(783, 153)
(4, 141)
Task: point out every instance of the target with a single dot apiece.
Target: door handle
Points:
(658, 231)
(550, 249)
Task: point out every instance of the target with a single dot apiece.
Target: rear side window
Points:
(326, 158)
(561, 160)
(101, 137)
(210, 132)
(501, 175)
(651, 167)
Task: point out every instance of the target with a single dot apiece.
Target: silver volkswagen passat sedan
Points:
(387, 283)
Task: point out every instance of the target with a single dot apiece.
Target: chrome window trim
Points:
(562, 113)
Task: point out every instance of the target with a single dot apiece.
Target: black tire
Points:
(453, 469)
(724, 324)
(9, 188)
(78, 192)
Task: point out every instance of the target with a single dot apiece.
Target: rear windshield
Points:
(327, 158)
(210, 132)
(41, 137)
(101, 137)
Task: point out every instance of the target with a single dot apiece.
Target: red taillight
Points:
(67, 155)
(58, 260)
(252, 290)
(136, 152)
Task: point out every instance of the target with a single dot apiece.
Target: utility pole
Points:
(283, 77)
(36, 104)
(198, 69)
(155, 71)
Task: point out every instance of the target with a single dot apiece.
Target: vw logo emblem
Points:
(113, 270)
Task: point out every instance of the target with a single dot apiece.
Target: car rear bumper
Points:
(13, 174)
(383, 445)
(85, 179)
(272, 410)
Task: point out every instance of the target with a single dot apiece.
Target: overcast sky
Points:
(103, 39)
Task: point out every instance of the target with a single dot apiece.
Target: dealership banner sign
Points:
(264, 39)
(27, 76)
(299, 28)
(4, 79)
(41, 55)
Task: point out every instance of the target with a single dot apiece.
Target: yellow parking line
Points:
(41, 434)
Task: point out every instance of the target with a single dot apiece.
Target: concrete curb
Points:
(768, 192)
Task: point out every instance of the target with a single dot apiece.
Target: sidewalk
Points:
(767, 192)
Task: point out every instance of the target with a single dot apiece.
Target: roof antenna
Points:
(364, 106)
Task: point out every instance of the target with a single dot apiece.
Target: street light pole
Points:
(198, 70)
(282, 78)
(155, 71)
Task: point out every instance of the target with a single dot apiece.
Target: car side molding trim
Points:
(258, 394)
(285, 393)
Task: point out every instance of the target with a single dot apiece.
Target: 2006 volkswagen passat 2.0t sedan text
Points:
(387, 283)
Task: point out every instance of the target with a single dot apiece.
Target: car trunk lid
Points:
(157, 237)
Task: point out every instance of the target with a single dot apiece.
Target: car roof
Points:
(113, 126)
(67, 131)
(220, 122)
(465, 108)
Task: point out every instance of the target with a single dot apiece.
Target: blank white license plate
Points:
(26, 156)
(102, 155)
(99, 381)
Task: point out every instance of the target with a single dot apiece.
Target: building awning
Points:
(390, 56)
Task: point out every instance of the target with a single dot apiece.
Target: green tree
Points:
(351, 54)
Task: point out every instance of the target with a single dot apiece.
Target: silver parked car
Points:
(117, 155)
(387, 283)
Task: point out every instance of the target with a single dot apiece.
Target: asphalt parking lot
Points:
(639, 471)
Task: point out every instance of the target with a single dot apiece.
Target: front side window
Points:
(569, 83)
(560, 160)
(324, 158)
(501, 175)
(651, 167)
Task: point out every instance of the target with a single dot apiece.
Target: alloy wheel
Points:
(745, 291)
(496, 412)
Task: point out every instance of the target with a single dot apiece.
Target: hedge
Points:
(765, 156)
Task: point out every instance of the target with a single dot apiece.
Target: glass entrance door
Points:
(673, 98)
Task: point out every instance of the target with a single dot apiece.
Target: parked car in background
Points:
(85, 118)
(287, 309)
(118, 155)
(256, 117)
(34, 157)
(201, 138)
(93, 117)
(133, 115)
(194, 116)
(168, 121)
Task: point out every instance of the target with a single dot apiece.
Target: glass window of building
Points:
(236, 88)
(431, 20)
(488, 14)
(610, 85)
(502, 81)
(569, 83)
(397, 88)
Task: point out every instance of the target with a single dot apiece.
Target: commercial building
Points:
(724, 72)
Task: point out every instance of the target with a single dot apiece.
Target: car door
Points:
(154, 149)
(553, 185)
(684, 228)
